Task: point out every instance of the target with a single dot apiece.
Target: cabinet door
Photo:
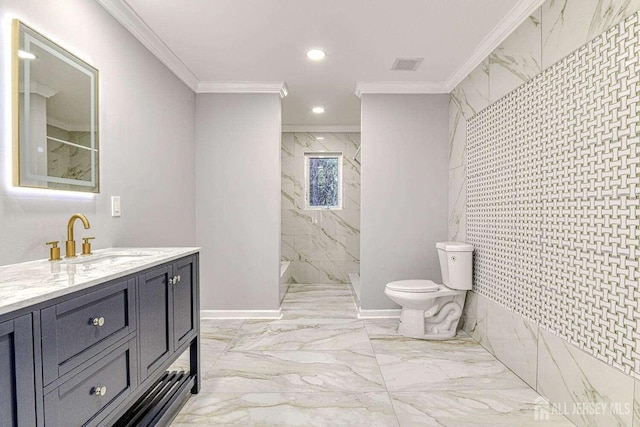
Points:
(17, 389)
(184, 300)
(155, 326)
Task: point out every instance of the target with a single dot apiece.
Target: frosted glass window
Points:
(323, 179)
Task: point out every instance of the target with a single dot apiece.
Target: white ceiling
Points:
(266, 41)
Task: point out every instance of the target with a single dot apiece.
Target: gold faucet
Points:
(71, 244)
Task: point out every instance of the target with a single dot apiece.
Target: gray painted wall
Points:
(146, 141)
(238, 200)
(404, 191)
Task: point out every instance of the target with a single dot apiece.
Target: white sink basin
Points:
(106, 258)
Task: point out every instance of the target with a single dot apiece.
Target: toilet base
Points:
(439, 326)
(411, 323)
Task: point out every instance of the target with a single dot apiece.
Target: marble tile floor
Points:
(321, 366)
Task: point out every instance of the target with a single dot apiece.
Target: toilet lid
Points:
(413, 286)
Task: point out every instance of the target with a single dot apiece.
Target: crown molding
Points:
(400, 88)
(500, 32)
(124, 14)
(39, 89)
(129, 19)
(68, 126)
(244, 87)
(321, 128)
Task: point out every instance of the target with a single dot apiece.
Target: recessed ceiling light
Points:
(23, 54)
(319, 138)
(318, 110)
(316, 54)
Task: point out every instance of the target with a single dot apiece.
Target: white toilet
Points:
(431, 311)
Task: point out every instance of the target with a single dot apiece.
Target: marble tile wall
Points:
(474, 317)
(322, 245)
(467, 99)
(546, 164)
(517, 59)
(554, 31)
(514, 341)
(575, 384)
(569, 24)
(636, 405)
(569, 376)
(66, 161)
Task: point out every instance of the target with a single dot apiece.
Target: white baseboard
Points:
(392, 313)
(241, 314)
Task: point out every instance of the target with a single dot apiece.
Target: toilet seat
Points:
(417, 286)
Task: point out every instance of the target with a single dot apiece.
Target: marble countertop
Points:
(29, 283)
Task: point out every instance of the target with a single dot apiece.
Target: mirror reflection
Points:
(56, 103)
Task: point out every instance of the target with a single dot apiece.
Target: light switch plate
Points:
(115, 206)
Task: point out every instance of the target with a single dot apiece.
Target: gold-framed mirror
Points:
(55, 115)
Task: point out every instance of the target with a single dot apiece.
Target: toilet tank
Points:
(456, 264)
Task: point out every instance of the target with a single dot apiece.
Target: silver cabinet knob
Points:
(100, 391)
(98, 321)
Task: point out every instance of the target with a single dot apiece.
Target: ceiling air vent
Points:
(406, 64)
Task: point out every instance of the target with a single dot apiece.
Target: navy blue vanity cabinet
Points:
(185, 309)
(97, 357)
(17, 386)
(155, 311)
(89, 354)
(88, 396)
(83, 327)
(168, 312)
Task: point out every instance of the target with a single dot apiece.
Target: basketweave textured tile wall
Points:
(552, 198)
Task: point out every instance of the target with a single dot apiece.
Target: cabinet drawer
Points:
(76, 403)
(80, 328)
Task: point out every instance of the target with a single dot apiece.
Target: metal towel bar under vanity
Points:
(88, 342)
